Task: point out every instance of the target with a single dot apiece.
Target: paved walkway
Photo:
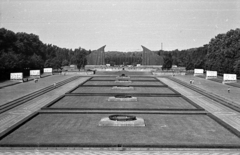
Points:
(13, 92)
(8, 83)
(214, 87)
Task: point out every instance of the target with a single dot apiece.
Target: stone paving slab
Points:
(11, 93)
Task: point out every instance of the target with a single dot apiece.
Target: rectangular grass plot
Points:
(161, 130)
(142, 90)
(103, 78)
(129, 73)
(142, 103)
(129, 82)
(131, 77)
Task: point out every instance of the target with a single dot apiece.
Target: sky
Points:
(122, 25)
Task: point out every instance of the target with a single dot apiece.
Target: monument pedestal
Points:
(121, 120)
(123, 87)
(122, 98)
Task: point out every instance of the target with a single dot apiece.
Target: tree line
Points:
(221, 54)
(21, 52)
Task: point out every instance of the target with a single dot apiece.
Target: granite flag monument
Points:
(151, 58)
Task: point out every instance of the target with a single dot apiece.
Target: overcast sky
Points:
(122, 25)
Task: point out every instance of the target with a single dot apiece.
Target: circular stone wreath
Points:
(123, 86)
(122, 118)
(123, 75)
(124, 80)
(123, 96)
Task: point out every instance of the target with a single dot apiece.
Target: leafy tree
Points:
(167, 61)
(237, 67)
(56, 63)
(190, 66)
(9, 61)
(48, 63)
(65, 63)
(7, 40)
(36, 62)
(22, 51)
(80, 55)
(223, 52)
(189, 62)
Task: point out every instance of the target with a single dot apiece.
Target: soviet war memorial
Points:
(159, 77)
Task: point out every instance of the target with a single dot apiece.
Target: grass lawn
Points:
(142, 103)
(131, 77)
(127, 73)
(160, 129)
(124, 83)
(147, 90)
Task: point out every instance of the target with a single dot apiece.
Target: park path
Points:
(11, 93)
(213, 87)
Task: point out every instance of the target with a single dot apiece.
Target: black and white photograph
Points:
(119, 77)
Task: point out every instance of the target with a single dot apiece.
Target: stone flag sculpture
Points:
(151, 58)
(97, 57)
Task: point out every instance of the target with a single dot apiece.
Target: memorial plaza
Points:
(120, 112)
